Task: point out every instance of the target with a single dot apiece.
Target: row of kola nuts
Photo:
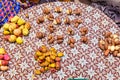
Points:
(110, 44)
(57, 20)
(48, 59)
(4, 60)
(15, 29)
(60, 38)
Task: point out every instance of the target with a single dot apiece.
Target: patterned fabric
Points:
(8, 8)
(84, 60)
(112, 11)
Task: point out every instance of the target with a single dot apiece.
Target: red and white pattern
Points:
(85, 60)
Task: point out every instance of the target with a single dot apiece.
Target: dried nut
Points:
(117, 47)
(46, 10)
(41, 19)
(67, 20)
(77, 11)
(51, 41)
(70, 31)
(27, 25)
(118, 55)
(37, 72)
(107, 34)
(76, 25)
(57, 21)
(58, 9)
(17, 32)
(117, 41)
(102, 41)
(114, 36)
(84, 39)
(60, 37)
(50, 37)
(83, 33)
(59, 41)
(101, 46)
(50, 17)
(40, 35)
(72, 40)
(69, 11)
(4, 68)
(115, 53)
(26, 15)
(51, 28)
(42, 70)
(106, 53)
(38, 22)
(71, 45)
(112, 48)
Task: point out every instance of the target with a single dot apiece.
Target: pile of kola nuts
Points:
(15, 29)
(110, 44)
(48, 59)
(4, 60)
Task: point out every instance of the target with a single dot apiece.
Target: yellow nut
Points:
(12, 38)
(27, 25)
(17, 32)
(52, 65)
(21, 21)
(6, 32)
(46, 68)
(22, 27)
(25, 31)
(6, 26)
(52, 56)
(60, 54)
(38, 53)
(48, 59)
(37, 72)
(42, 57)
(19, 40)
(2, 51)
(53, 49)
(14, 19)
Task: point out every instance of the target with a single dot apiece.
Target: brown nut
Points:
(50, 37)
(106, 52)
(50, 17)
(60, 37)
(46, 10)
(70, 31)
(57, 21)
(38, 22)
(114, 36)
(107, 34)
(84, 31)
(84, 39)
(76, 25)
(72, 40)
(117, 42)
(71, 45)
(118, 55)
(67, 20)
(41, 19)
(58, 9)
(115, 53)
(59, 41)
(51, 41)
(40, 35)
(77, 11)
(69, 11)
(51, 28)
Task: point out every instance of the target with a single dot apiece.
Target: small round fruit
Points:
(12, 38)
(2, 51)
(17, 32)
(19, 40)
